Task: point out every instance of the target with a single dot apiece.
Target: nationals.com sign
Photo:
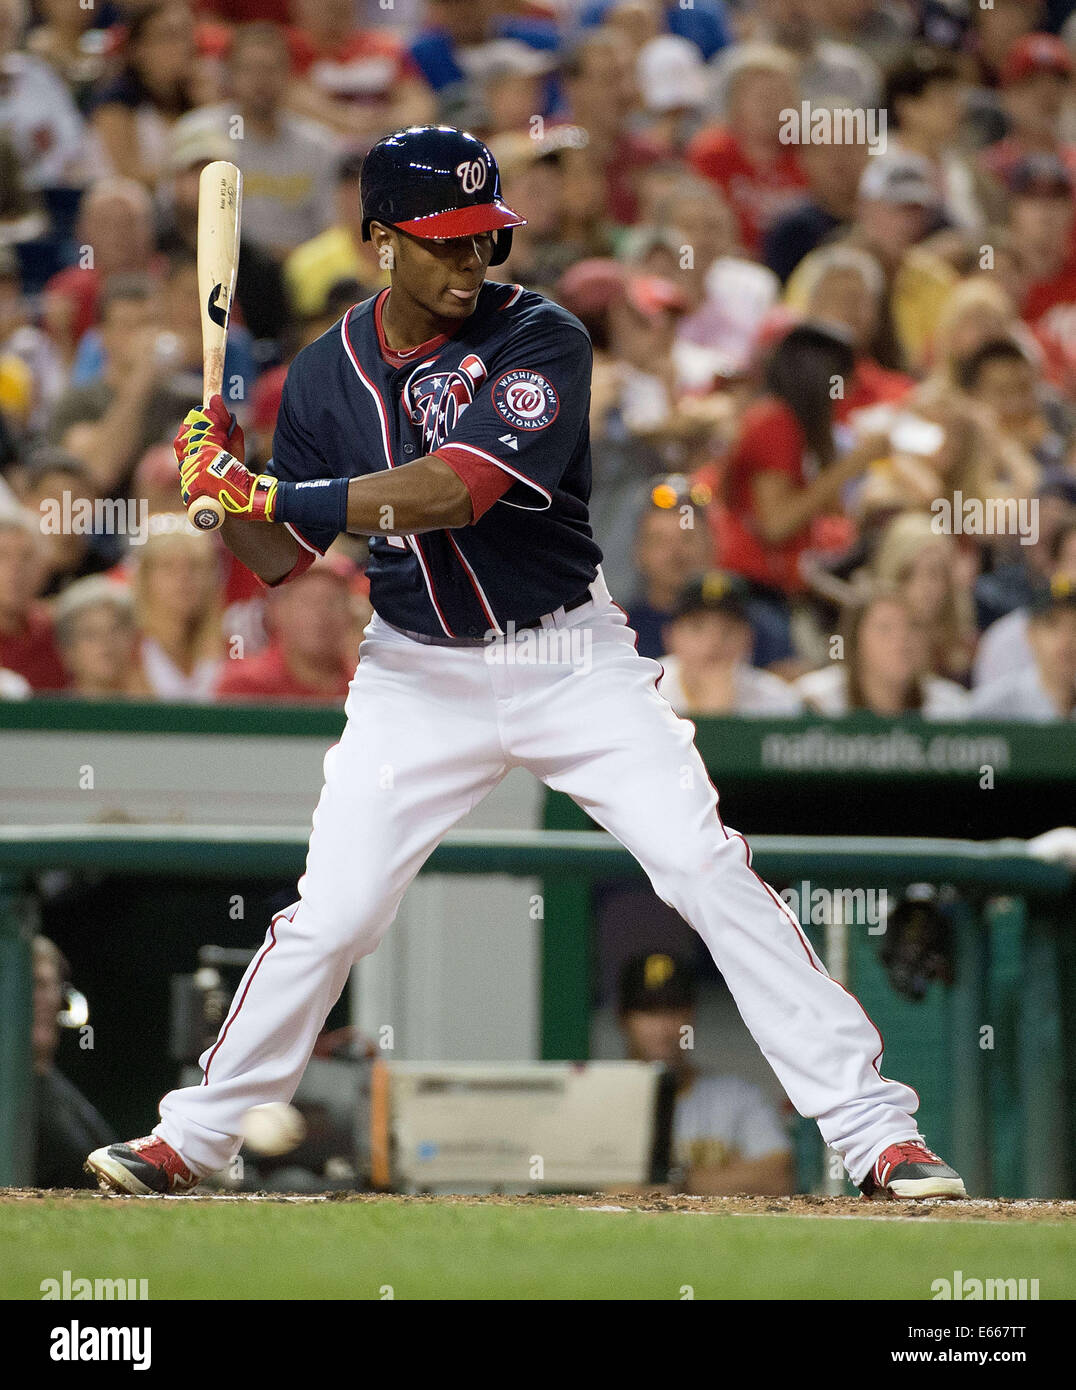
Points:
(525, 399)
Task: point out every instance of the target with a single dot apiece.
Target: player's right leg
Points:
(420, 749)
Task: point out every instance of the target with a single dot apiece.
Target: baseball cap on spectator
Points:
(1040, 176)
(515, 150)
(589, 287)
(191, 147)
(1060, 596)
(671, 74)
(899, 178)
(654, 982)
(714, 592)
(1036, 53)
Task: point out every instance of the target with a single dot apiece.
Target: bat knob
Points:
(206, 514)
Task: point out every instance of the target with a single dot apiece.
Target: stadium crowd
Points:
(825, 249)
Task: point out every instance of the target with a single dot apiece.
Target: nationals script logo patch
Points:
(525, 399)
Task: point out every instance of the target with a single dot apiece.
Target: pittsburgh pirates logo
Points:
(472, 175)
(437, 400)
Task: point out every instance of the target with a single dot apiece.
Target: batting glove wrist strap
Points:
(320, 504)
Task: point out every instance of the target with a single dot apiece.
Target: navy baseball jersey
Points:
(505, 401)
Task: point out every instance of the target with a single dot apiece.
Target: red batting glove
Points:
(212, 472)
(213, 426)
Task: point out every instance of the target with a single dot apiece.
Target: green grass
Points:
(337, 1250)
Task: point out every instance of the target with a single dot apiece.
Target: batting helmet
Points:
(436, 181)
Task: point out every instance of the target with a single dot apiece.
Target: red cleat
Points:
(145, 1167)
(909, 1171)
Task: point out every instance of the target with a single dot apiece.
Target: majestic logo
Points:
(525, 399)
(217, 312)
(436, 401)
(472, 175)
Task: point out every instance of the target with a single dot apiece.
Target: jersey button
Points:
(409, 448)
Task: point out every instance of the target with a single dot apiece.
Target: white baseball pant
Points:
(430, 730)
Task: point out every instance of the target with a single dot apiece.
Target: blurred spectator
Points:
(707, 660)
(337, 253)
(27, 642)
(36, 111)
(65, 37)
(134, 111)
(177, 603)
(845, 287)
(1001, 376)
(600, 86)
(998, 27)
(1036, 85)
(761, 177)
(1004, 646)
(673, 89)
(67, 1125)
(1042, 218)
(98, 639)
(535, 180)
(668, 554)
(259, 286)
(22, 339)
(828, 69)
(57, 487)
(828, 207)
(359, 82)
(309, 656)
(895, 207)
(111, 422)
(1018, 579)
(726, 1137)
(785, 472)
(926, 569)
(461, 39)
(288, 162)
(116, 237)
(1045, 690)
(705, 23)
(884, 668)
(924, 101)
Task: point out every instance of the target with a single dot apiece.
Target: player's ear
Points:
(383, 239)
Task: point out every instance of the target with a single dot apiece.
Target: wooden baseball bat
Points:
(220, 204)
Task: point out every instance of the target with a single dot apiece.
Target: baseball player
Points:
(446, 419)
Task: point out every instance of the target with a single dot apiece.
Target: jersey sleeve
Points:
(526, 419)
(297, 459)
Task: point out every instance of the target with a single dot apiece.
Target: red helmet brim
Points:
(483, 217)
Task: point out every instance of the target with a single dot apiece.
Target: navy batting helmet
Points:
(436, 181)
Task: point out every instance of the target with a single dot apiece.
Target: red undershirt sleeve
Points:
(484, 480)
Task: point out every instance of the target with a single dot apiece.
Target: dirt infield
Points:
(1006, 1209)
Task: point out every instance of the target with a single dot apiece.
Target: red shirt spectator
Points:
(758, 193)
(267, 676)
(32, 652)
(771, 439)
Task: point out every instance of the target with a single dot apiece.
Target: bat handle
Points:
(206, 513)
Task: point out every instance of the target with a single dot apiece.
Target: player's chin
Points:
(458, 306)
